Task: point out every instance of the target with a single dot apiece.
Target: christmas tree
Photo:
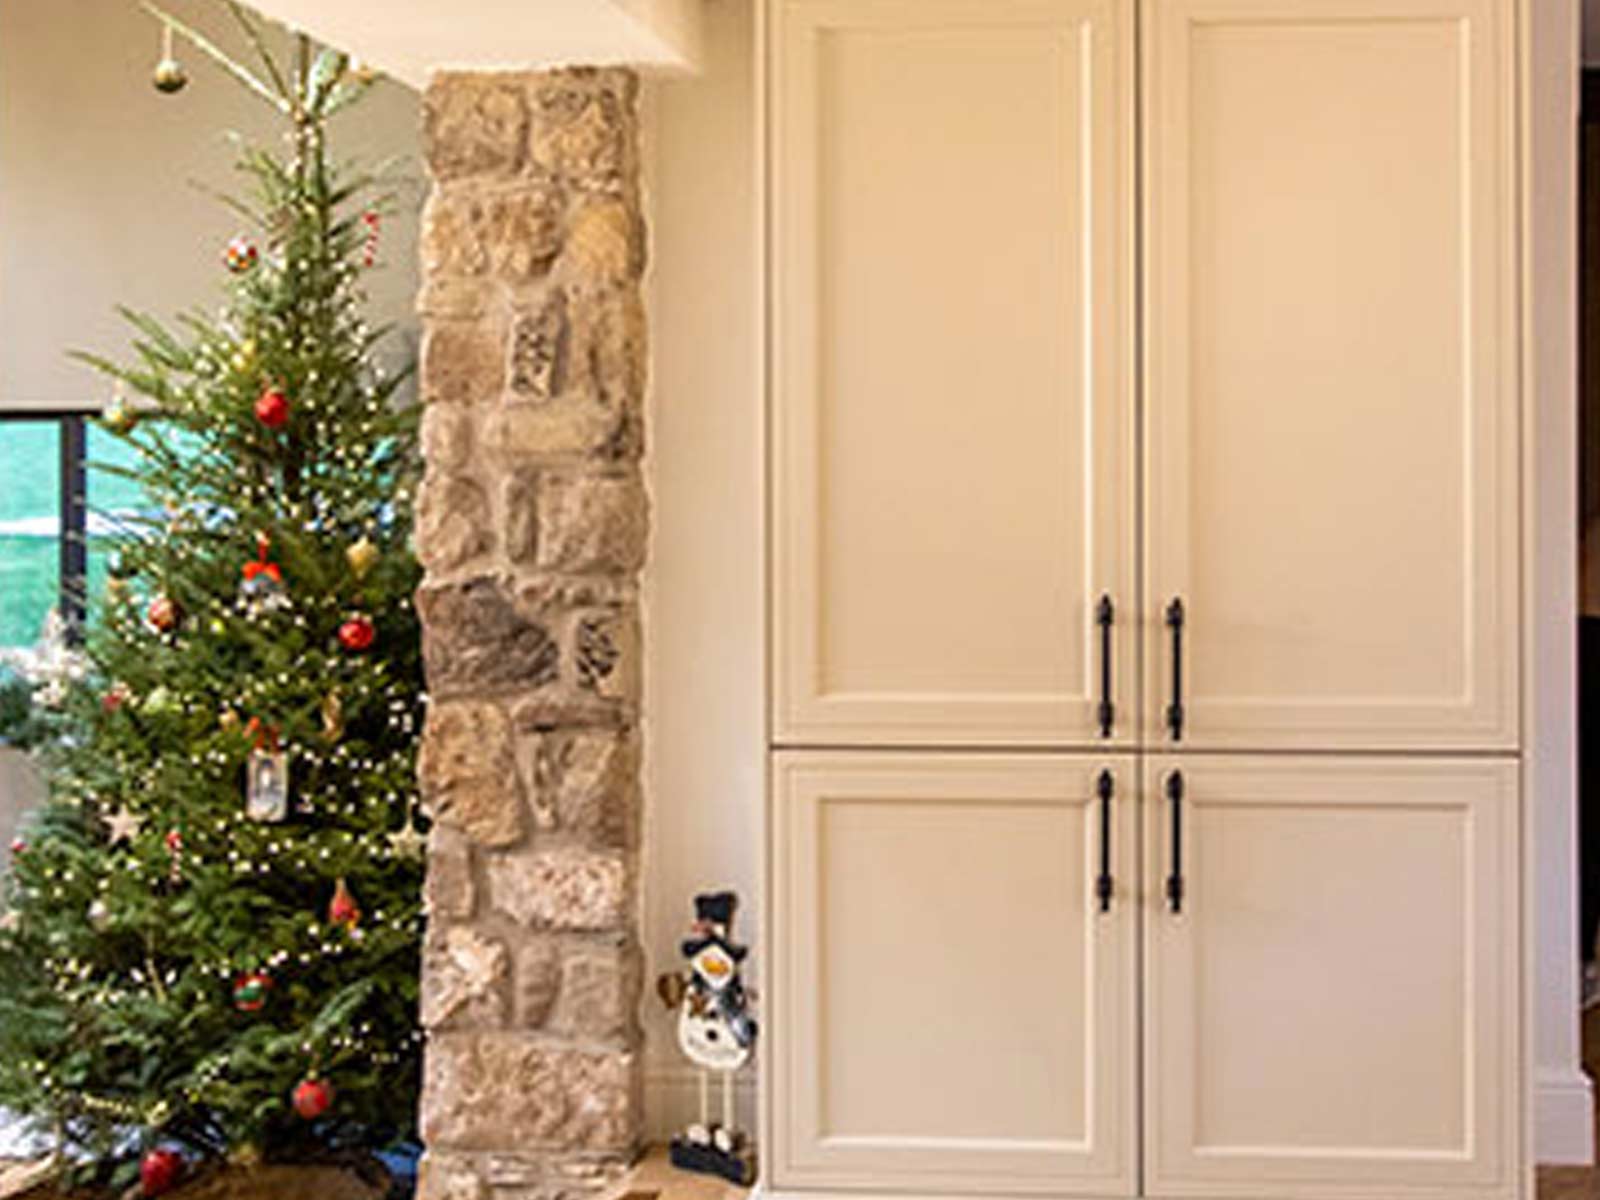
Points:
(211, 936)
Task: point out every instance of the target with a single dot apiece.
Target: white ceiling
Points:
(410, 39)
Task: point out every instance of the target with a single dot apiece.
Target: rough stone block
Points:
(605, 654)
(468, 772)
(539, 347)
(452, 522)
(605, 246)
(538, 981)
(446, 437)
(599, 993)
(520, 500)
(495, 1091)
(449, 1177)
(584, 128)
(577, 424)
(592, 522)
(609, 341)
(462, 362)
(472, 125)
(463, 978)
(511, 233)
(449, 298)
(583, 782)
(564, 887)
(474, 637)
(448, 890)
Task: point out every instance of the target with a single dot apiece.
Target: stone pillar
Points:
(531, 523)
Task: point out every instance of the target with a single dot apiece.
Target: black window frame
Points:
(72, 507)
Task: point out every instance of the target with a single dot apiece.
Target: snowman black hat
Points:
(713, 923)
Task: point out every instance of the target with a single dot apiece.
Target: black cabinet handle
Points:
(1105, 615)
(1175, 878)
(1104, 887)
(1175, 618)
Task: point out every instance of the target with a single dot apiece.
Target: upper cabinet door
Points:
(1331, 372)
(951, 414)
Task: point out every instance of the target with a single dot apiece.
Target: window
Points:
(54, 508)
(34, 555)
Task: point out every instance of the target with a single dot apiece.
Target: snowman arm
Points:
(671, 987)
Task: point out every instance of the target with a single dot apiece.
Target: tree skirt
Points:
(226, 1183)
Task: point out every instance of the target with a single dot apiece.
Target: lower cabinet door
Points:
(1331, 977)
(951, 1011)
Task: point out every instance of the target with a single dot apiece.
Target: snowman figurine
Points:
(716, 1031)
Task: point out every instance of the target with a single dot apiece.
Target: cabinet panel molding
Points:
(952, 418)
(952, 1009)
(1332, 1012)
(1330, 372)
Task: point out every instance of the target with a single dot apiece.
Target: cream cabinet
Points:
(1330, 976)
(952, 339)
(1330, 378)
(955, 980)
(1144, 504)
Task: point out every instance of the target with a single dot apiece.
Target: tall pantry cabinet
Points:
(1144, 795)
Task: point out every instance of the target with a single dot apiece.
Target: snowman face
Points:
(714, 967)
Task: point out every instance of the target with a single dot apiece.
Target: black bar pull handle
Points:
(1175, 619)
(1175, 878)
(1105, 616)
(1104, 887)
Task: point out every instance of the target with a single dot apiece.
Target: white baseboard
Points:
(1563, 1113)
(672, 1099)
(1563, 1119)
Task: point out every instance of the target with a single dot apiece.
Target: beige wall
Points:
(1563, 1128)
(96, 202)
(704, 697)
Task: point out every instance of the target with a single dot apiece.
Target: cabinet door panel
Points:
(952, 419)
(952, 1011)
(1333, 1012)
(1331, 370)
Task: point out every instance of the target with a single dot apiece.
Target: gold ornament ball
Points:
(363, 556)
(118, 417)
(170, 76)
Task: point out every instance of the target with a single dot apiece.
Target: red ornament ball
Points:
(115, 697)
(163, 614)
(312, 1098)
(240, 255)
(159, 1171)
(358, 634)
(18, 847)
(250, 991)
(272, 408)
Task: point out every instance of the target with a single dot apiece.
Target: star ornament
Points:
(407, 841)
(123, 825)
